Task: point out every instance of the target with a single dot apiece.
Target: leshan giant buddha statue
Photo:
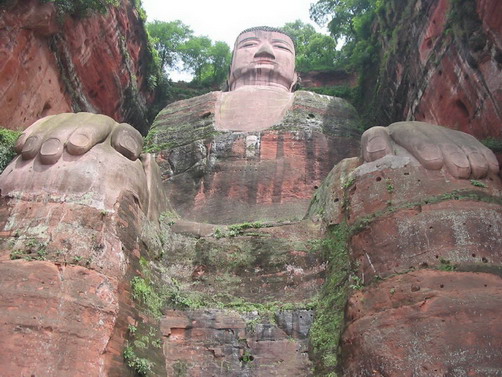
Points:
(73, 154)
(257, 151)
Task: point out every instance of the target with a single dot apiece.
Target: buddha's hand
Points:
(70, 156)
(434, 147)
(48, 138)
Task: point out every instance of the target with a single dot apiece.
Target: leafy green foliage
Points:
(207, 61)
(477, 183)
(8, 140)
(389, 185)
(356, 282)
(33, 249)
(82, 8)
(351, 23)
(446, 265)
(314, 51)
(132, 329)
(178, 48)
(237, 229)
(247, 357)
(219, 64)
(184, 299)
(194, 54)
(167, 37)
(141, 365)
(350, 20)
(144, 292)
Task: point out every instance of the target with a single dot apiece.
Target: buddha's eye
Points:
(282, 47)
(249, 44)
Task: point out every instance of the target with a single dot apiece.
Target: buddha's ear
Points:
(296, 82)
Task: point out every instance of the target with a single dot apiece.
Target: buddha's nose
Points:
(265, 51)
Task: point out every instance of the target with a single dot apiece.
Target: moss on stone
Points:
(329, 319)
(494, 144)
(473, 195)
(167, 136)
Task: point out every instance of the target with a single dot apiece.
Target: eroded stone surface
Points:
(425, 323)
(224, 343)
(435, 242)
(279, 264)
(254, 276)
(56, 319)
(89, 64)
(66, 269)
(411, 217)
(433, 75)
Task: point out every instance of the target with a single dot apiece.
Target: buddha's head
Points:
(263, 56)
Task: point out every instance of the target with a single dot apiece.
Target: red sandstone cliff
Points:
(97, 64)
(441, 62)
(432, 244)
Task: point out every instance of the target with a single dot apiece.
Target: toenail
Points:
(50, 147)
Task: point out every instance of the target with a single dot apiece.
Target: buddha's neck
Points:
(252, 108)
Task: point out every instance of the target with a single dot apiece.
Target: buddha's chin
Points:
(261, 75)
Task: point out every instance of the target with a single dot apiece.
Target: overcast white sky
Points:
(223, 20)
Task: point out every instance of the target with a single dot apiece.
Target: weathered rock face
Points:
(247, 296)
(75, 300)
(96, 64)
(425, 323)
(316, 79)
(425, 249)
(221, 343)
(65, 297)
(230, 177)
(421, 268)
(442, 65)
(413, 218)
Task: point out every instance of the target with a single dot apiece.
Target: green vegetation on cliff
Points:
(351, 23)
(492, 143)
(329, 319)
(82, 8)
(7, 142)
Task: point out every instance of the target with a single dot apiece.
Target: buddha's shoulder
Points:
(188, 111)
(182, 122)
(306, 101)
(322, 113)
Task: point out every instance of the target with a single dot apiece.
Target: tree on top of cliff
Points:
(167, 37)
(349, 18)
(82, 8)
(314, 51)
(179, 49)
(351, 22)
(207, 61)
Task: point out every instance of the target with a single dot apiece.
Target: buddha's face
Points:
(263, 58)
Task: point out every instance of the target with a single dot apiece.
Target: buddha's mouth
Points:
(264, 61)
